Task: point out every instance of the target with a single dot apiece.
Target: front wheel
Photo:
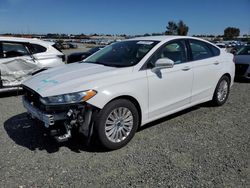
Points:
(222, 91)
(117, 123)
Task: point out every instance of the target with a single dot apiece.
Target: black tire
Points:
(104, 115)
(216, 99)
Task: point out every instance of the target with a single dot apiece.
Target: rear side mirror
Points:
(163, 63)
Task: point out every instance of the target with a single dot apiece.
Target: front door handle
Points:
(216, 63)
(186, 68)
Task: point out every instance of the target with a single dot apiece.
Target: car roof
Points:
(29, 40)
(164, 38)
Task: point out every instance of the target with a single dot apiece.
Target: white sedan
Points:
(129, 84)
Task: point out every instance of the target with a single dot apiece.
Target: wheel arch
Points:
(134, 101)
(229, 76)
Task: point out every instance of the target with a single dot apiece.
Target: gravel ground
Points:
(200, 147)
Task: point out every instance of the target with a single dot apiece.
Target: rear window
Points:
(35, 48)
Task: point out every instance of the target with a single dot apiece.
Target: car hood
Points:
(244, 59)
(73, 78)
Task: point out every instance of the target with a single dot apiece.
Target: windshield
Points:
(244, 51)
(95, 49)
(122, 54)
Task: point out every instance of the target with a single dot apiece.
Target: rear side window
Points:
(35, 48)
(57, 46)
(13, 50)
(215, 50)
(200, 50)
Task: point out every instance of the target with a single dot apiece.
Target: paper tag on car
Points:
(145, 42)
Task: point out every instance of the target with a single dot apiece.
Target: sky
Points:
(122, 17)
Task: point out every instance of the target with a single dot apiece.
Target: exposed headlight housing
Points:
(69, 98)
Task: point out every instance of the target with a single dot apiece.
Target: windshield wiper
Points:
(105, 64)
(95, 62)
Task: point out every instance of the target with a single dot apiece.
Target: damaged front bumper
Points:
(78, 116)
(48, 119)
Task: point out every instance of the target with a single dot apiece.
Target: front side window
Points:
(200, 50)
(13, 50)
(176, 51)
(122, 54)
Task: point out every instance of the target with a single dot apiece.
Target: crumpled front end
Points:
(77, 116)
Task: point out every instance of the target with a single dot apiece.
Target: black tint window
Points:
(200, 50)
(35, 48)
(13, 50)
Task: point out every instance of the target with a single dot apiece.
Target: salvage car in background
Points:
(22, 57)
(242, 63)
(79, 56)
(128, 84)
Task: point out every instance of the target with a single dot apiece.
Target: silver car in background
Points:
(21, 57)
(242, 63)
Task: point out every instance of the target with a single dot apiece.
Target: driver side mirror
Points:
(163, 63)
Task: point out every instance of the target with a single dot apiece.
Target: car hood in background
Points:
(72, 78)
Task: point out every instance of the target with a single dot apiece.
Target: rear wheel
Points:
(117, 123)
(222, 91)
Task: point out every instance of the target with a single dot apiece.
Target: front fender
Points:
(136, 89)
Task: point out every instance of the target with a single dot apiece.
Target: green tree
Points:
(177, 29)
(182, 28)
(171, 28)
(231, 33)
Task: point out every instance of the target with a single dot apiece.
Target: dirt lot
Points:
(200, 147)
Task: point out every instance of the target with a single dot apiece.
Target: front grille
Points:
(240, 69)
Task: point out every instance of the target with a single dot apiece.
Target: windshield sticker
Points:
(145, 42)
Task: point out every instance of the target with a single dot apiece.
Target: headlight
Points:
(68, 98)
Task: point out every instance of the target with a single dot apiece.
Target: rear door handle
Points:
(186, 68)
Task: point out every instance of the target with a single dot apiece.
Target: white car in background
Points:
(21, 57)
(129, 84)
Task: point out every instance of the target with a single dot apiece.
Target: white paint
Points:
(176, 89)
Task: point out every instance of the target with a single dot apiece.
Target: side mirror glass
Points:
(163, 63)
